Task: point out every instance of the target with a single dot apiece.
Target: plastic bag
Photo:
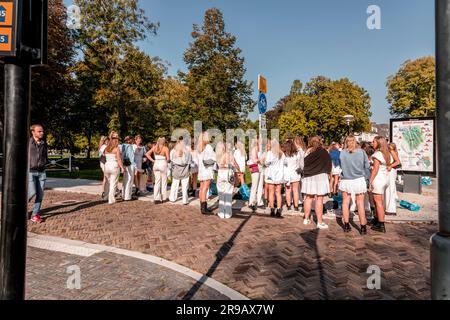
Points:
(213, 189)
(244, 190)
(410, 206)
(426, 181)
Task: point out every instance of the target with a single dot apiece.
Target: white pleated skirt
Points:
(316, 185)
(355, 186)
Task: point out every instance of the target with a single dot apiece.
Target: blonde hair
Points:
(113, 143)
(240, 146)
(203, 141)
(315, 143)
(160, 144)
(276, 148)
(382, 146)
(351, 144)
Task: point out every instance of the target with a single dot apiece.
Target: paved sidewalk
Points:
(428, 200)
(260, 257)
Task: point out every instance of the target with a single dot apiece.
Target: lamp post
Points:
(349, 118)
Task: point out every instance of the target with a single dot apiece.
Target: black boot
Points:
(278, 214)
(272, 212)
(204, 209)
(363, 230)
(379, 227)
(347, 227)
(296, 209)
(373, 222)
(253, 207)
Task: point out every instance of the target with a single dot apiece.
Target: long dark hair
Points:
(290, 149)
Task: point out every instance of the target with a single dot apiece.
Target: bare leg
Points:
(288, 195)
(319, 208)
(271, 196)
(361, 209)
(279, 199)
(307, 204)
(378, 199)
(296, 191)
(346, 207)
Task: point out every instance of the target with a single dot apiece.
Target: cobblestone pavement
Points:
(260, 257)
(105, 276)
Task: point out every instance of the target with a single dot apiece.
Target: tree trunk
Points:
(89, 139)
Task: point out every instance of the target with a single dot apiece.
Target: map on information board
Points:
(415, 140)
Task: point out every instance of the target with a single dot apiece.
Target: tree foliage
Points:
(319, 107)
(218, 93)
(412, 90)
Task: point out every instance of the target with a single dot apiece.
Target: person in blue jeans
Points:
(38, 150)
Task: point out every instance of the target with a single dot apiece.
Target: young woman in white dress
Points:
(293, 163)
(390, 195)
(206, 162)
(181, 160)
(379, 180)
(265, 170)
(274, 161)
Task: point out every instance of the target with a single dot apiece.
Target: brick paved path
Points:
(106, 276)
(261, 257)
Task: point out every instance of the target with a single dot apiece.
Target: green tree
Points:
(412, 90)
(295, 123)
(110, 30)
(218, 92)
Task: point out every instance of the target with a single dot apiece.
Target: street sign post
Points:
(262, 107)
(23, 43)
(262, 103)
(8, 14)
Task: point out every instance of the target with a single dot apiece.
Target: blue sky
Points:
(299, 39)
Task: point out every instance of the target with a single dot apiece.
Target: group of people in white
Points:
(365, 174)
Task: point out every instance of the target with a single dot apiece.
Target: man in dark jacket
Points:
(37, 176)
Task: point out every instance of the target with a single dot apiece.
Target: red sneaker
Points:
(36, 219)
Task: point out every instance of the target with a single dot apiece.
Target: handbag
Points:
(126, 160)
(244, 190)
(103, 159)
(208, 163)
(254, 168)
(231, 178)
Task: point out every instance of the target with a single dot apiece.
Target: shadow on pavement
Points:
(220, 255)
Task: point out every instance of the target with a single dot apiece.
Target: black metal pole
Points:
(440, 242)
(14, 183)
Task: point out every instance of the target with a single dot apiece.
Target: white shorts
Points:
(336, 171)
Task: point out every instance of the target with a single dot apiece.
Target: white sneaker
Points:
(221, 215)
(306, 222)
(322, 226)
(228, 216)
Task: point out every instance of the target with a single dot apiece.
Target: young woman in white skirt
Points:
(390, 196)
(379, 180)
(206, 162)
(293, 163)
(355, 165)
(315, 182)
(193, 182)
(274, 161)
